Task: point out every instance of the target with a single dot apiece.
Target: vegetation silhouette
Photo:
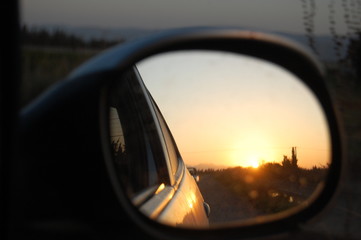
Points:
(59, 38)
(270, 188)
(49, 56)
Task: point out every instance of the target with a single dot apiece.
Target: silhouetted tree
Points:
(294, 159)
(286, 163)
(291, 163)
(60, 38)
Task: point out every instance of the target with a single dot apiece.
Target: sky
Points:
(275, 15)
(232, 110)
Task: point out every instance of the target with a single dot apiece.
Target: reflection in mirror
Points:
(248, 142)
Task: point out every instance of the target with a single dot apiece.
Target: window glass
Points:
(171, 147)
(138, 157)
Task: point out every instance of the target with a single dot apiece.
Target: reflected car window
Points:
(171, 146)
(135, 148)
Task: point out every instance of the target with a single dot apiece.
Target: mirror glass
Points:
(222, 137)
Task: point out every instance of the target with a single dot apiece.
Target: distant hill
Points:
(205, 166)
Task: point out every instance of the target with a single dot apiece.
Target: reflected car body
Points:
(184, 208)
(146, 158)
(193, 172)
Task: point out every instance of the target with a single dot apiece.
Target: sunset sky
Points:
(232, 110)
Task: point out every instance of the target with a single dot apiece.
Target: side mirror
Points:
(290, 170)
(127, 128)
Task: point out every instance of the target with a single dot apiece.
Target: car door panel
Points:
(186, 207)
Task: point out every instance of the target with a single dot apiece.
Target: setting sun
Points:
(252, 160)
(249, 159)
(254, 164)
(253, 147)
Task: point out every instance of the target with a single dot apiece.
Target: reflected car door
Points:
(187, 207)
(146, 159)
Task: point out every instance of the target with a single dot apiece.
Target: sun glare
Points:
(254, 164)
(253, 160)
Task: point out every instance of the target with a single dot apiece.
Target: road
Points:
(225, 205)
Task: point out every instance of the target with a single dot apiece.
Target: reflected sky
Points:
(231, 110)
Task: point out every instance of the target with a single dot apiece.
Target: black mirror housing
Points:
(64, 156)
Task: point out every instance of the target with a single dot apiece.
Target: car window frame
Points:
(177, 174)
(152, 140)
